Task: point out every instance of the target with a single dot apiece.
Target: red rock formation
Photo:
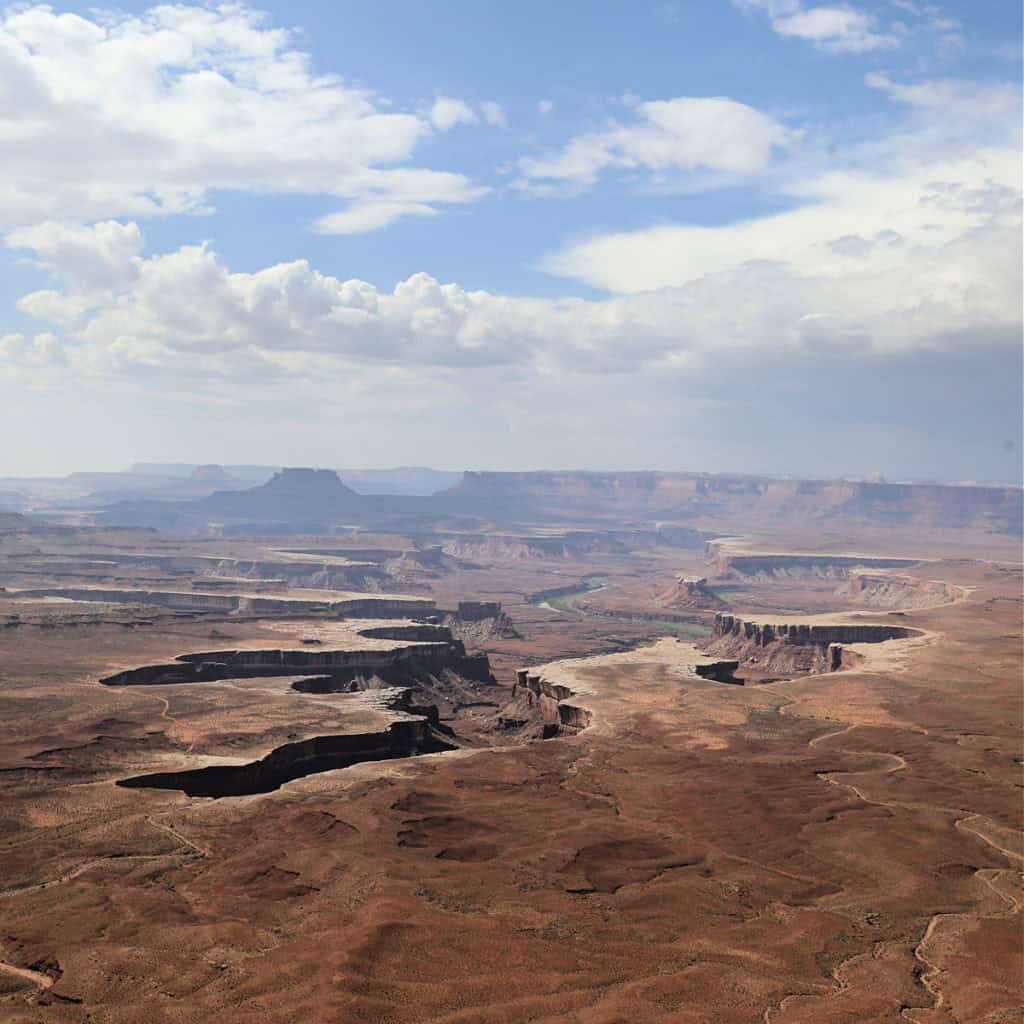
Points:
(689, 592)
(878, 590)
(552, 702)
(786, 648)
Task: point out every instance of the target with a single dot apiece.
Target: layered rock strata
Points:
(796, 647)
(551, 700)
(746, 499)
(885, 590)
(762, 633)
(477, 622)
(728, 563)
(254, 604)
(209, 666)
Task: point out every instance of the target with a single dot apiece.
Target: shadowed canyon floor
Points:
(827, 845)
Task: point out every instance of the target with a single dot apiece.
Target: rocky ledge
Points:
(729, 563)
(891, 590)
(807, 647)
(762, 633)
(408, 736)
(551, 701)
(430, 647)
(382, 607)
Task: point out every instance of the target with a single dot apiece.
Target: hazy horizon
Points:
(146, 467)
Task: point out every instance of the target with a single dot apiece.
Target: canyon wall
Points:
(295, 760)
(357, 607)
(740, 498)
(820, 634)
(551, 700)
(333, 573)
(209, 666)
(728, 563)
(795, 648)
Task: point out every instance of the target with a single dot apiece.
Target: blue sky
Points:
(761, 235)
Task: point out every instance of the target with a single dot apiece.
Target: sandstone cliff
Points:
(726, 562)
(794, 648)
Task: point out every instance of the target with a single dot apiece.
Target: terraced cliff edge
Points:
(551, 700)
(358, 606)
(408, 736)
(807, 647)
(567, 711)
(891, 590)
(441, 652)
(728, 562)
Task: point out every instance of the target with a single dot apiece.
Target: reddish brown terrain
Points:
(350, 800)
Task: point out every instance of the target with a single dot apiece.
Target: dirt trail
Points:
(171, 831)
(88, 865)
(932, 971)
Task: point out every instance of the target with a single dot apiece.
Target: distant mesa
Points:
(308, 500)
(213, 476)
(293, 495)
(741, 498)
(313, 482)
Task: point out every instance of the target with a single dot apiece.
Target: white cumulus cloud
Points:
(863, 293)
(447, 113)
(840, 28)
(118, 115)
(677, 134)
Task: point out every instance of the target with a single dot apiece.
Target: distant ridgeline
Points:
(316, 501)
(752, 498)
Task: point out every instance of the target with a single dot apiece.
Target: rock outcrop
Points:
(887, 590)
(691, 592)
(728, 563)
(763, 634)
(788, 648)
(474, 611)
(552, 701)
(477, 622)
